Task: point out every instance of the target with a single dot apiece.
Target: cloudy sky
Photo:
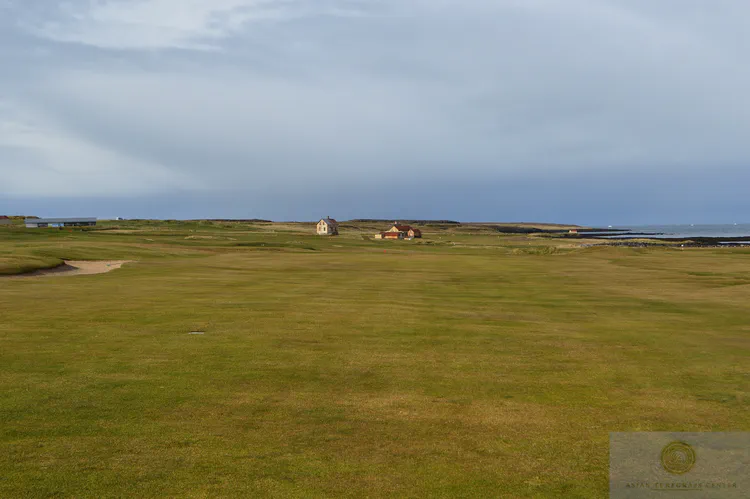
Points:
(587, 111)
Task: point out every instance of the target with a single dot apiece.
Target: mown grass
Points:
(476, 366)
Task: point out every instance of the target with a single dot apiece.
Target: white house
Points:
(328, 227)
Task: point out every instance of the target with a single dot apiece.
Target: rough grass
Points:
(492, 367)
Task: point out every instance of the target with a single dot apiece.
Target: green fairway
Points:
(466, 364)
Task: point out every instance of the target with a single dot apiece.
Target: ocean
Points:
(719, 231)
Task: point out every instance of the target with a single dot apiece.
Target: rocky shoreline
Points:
(695, 242)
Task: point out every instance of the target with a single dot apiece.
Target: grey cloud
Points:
(159, 24)
(280, 97)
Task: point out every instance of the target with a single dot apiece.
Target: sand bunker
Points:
(75, 267)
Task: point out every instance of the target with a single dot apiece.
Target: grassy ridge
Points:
(465, 365)
(24, 250)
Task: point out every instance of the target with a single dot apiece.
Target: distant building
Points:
(5, 220)
(392, 235)
(41, 223)
(407, 230)
(328, 227)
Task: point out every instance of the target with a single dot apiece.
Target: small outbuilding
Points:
(328, 227)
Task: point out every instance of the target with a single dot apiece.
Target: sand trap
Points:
(75, 267)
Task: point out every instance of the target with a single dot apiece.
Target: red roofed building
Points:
(407, 230)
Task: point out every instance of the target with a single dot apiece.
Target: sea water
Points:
(684, 231)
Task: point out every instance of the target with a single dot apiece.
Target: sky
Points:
(572, 111)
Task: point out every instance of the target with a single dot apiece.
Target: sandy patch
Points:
(76, 267)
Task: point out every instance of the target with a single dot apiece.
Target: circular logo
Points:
(678, 458)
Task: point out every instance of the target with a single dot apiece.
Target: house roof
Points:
(391, 234)
(329, 221)
(3, 217)
(403, 228)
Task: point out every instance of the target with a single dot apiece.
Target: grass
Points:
(464, 365)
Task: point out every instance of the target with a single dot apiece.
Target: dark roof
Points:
(403, 228)
(331, 221)
(392, 234)
(3, 217)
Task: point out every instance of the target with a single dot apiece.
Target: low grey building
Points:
(37, 223)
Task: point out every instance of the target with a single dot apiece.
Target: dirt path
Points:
(75, 267)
